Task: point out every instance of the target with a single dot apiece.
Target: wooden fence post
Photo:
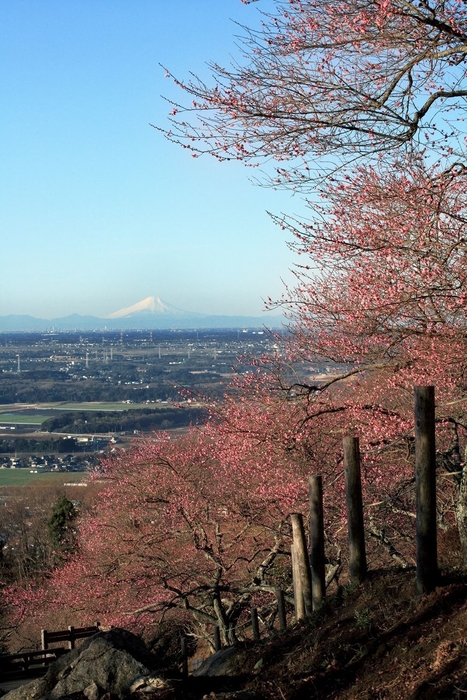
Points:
(281, 610)
(302, 563)
(299, 605)
(317, 561)
(254, 624)
(184, 651)
(71, 641)
(217, 638)
(353, 489)
(425, 484)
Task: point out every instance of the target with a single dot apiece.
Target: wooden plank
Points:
(23, 662)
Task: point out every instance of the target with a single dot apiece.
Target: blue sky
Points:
(97, 209)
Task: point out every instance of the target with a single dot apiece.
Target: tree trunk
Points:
(226, 628)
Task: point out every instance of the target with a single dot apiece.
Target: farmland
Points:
(113, 385)
(23, 418)
(19, 415)
(24, 477)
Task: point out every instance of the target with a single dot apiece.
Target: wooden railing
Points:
(69, 635)
(27, 663)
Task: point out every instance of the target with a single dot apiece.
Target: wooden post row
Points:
(297, 586)
(281, 610)
(302, 573)
(254, 624)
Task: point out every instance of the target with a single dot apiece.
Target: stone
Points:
(149, 683)
(108, 662)
(219, 664)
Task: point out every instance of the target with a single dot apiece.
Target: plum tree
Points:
(168, 536)
(321, 87)
(327, 81)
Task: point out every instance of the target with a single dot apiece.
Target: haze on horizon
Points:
(99, 211)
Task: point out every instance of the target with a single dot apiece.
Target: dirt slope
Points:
(371, 642)
(376, 641)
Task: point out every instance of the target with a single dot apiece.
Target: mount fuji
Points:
(150, 306)
(151, 313)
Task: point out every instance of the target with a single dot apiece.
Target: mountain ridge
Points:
(149, 313)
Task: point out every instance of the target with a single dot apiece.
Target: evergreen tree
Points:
(62, 533)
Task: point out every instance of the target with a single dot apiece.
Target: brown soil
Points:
(375, 641)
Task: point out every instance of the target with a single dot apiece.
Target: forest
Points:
(144, 419)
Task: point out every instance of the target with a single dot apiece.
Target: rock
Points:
(146, 683)
(92, 692)
(107, 663)
(31, 691)
(219, 664)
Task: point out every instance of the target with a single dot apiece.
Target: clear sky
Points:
(97, 209)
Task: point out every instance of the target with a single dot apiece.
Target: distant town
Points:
(66, 398)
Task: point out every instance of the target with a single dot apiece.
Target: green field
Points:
(23, 418)
(22, 477)
(37, 415)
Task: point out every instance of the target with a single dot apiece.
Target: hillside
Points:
(377, 641)
(371, 642)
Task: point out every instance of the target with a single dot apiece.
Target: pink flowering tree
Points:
(383, 278)
(196, 528)
(173, 534)
(323, 82)
(382, 290)
(321, 88)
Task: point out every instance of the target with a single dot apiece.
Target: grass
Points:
(37, 416)
(23, 477)
(22, 418)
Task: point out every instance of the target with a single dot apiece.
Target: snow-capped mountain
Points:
(150, 313)
(150, 305)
